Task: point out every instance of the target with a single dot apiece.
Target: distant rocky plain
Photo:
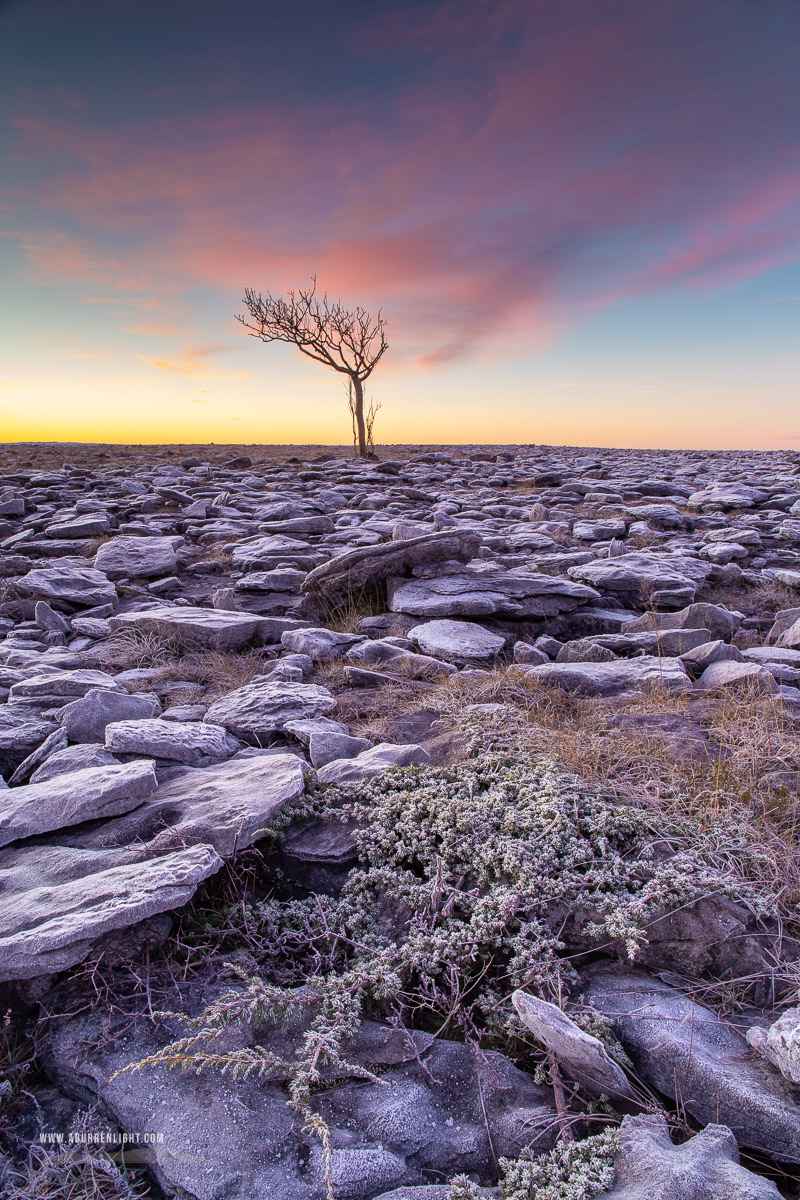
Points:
(126, 789)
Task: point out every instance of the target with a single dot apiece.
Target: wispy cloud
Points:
(192, 361)
(542, 161)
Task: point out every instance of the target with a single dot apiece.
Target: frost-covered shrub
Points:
(466, 875)
(571, 1171)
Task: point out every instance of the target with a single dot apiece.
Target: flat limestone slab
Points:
(211, 628)
(181, 741)
(613, 678)
(692, 1055)
(265, 707)
(137, 557)
(480, 593)
(79, 587)
(48, 929)
(224, 806)
(74, 798)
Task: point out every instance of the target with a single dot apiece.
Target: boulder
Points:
(720, 623)
(614, 678)
(707, 654)
(264, 707)
(347, 772)
(403, 663)
(190, 742)
(47, 929)
(438, 1108)
(361, 574)
(479, 592)
(457, 641)
(325, 747)
(790, 638)
(736, 675)
(72, 799)
(85, 720)
(647, 1166)
(226, 805)
(70, 587)
(690, 1054)
(197, 628)
(66, 684)
(73, 758)
(780, 1044)
(138, 557)
(580, 1055)
(664, 581)
(321, 645)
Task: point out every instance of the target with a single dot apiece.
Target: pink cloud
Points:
(537, 168)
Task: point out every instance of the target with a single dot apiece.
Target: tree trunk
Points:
(361, 430)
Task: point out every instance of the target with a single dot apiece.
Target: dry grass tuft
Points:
(73, 1173)
(754, 600)
(219, 671)
(135, 649)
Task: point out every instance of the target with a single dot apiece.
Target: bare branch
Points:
(350, 342)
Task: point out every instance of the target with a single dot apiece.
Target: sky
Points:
(580, 218)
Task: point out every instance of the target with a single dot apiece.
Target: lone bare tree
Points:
(351, 343)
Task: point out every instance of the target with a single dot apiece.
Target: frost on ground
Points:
(308, 767)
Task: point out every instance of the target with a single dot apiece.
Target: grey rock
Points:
(726, 496)
(384, 652)
(47, 618)
(790, 638)
(457, 641)
(93, 627)
(720, 623)
(89, 525)
(325, 747)
(20, 734)
(286, 580)
(47, 929)
(599, 530)
(523, 652)
(478, 592)
(65, 684)
(347, 772)
(271, 552)
(181, 741)
(72, 799)
(581, 1056)
(780, 1044)
(226, 805)
(51, 745)
(264, 707)
(138, 557)
(666, 581)
(76, 587)
(690, 1054)
(735, 675)
(73, 758)
(789, 578)
(784, 619)
(321, 645)
(208, 628)
(440, 1108)
(585, 650)
(303, 730)
(361, 574)
(614, 678)
(706, 1167)
(85, 720)
(705, 655)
